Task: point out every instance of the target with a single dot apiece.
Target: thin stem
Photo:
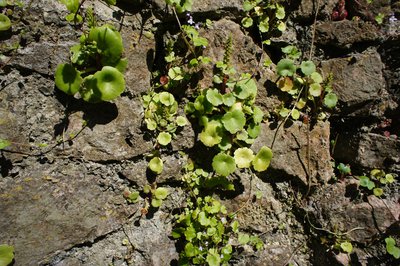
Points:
(183, 33)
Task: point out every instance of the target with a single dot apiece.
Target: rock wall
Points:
(62, 180)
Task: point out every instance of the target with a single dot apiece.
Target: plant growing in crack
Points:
(391, 247)
(376, 181)
(96, 66)
(303, 84)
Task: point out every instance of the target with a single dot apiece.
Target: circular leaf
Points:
(164, 138)
(258, 115)
(156, 203)
(330, 100)
(211, 134)
(247, 22)
(156, 165)
(245, 88)
(161, 193)
(295, 114)
(167, 98)
(286, 67)
(315, 89)
(264, 25)
(109, 43)
(262, 159)
(214, 97)
(234, 121)
(68, 79)
(5, 22)
(346, 247)
(223, 164)
(316, 77)
(6, 254)
(285, 84)
(307, 67)
(181, 121)
(243, 157)
(107, 84)
(229, 99)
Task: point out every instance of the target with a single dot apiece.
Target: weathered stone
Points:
(308, 8)
(368, 10)
(360, 221)
(299, 152)
(208, 6)
(369, 151)
(113, 132)
(358, 80)
(343, 34)
(55, 207)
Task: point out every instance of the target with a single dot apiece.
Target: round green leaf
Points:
(156, 165)
(286, 67)
(316, 77)
(234, 121)
(67, 78)
(258, 115)
(3, 3)
(107, 84)
(5, 22)
(214, 97)
(156, 203)
(211, 134)
(295, 114)
(213, 258)
(190, 250)
(281, 26)
(175, 73)
(181, 121)
(253, 130)
(264, 24)
(164, 138)
(280, 12)
(262, 159)
(315, 89)
(223, 164)
(389, 178)
(166, 98)
(6, 255)
(247, 22)
(378, 191)
(161, 193)
(330, 100)
(243, 238)
(243, 157)
(307, 67)
(109, 43)
(229, 99)
(245, 88)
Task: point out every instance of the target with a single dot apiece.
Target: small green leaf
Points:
(235, 226)
(316, 77)
(315, 89)
(223, 164)
(262, 160)
(280, 12)
(214, 97)
(68, 78)
(213, 258)
(346, 247)
(5, 22)
(344, 169)
(211, 134)
(156, 203)
(234, 121)
(161, 193)
(243, 157)
(4, 143)
(190, 250)
(166, 98)
(286, 67)
(264, 25)
(248, 5)
(175, 73)
(247, 22)
(6, 255)
(391, 247)
(203, 220)
(330, 100)
(181, 121)
(164, 138)
(389, 177)
(378, 191)
(245, 88)
(156, 165)
(295, 114)
(307, 67)
(228, 99)
(243, 238)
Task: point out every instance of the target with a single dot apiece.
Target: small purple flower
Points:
(197, 26)
(392, 19)
(190, 21)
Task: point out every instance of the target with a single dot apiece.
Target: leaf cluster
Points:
(304, 84)
(96, 66)
(5, 22)
(391, 247)
(376, 180)
(268, 16)
(161, 115)
(180, 5)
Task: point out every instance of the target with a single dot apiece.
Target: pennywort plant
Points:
(6, 255)
(391, 247)
(268, 16)
(96, 66)
(306, 88)
(6, 10)
(376, 181)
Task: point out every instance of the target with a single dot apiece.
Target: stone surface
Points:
(307, 9)
(361, 221)
(358, 80)
(345, 33)
(207, 6)
(369, 150)
(295, 149)
(55, 207)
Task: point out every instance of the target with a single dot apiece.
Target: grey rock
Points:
(308, 8)
(47, 208)
(358, 80)
(345, 33)
(208, 6)
(295, 149)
